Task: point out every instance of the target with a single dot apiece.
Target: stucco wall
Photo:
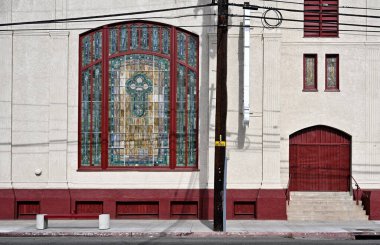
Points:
(39, 99)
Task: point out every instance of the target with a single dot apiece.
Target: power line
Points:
(85, 19)
(307, 11)
(184, 26)
(143, 18)
(307, 21)
(104, 16)
(302, 29)
(88, 28)
(298, 3)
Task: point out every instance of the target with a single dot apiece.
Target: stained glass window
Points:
(144, 37)
(91, 116)
(181, 46)
(97, 44)
(192, 59)
(310, 72)
(134, 37)
(332, 72)
(113, 40)
(181, 115)
(149, 117)
(123, 38)
(139, 111)
(86, 50)
(165, 40)
(155, 39)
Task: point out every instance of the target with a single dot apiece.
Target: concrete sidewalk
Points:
(194, 228)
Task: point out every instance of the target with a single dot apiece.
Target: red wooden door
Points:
(319, 160)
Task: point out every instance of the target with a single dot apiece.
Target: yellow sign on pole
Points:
(220, 143)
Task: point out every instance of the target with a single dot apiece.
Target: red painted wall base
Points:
(271, 205)
(371, 202)
(145, 204)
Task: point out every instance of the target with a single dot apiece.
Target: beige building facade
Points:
(296, 121)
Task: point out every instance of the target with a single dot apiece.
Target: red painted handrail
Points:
(358, 190)
(288, 191)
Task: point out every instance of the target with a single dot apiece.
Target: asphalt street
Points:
(182, 241)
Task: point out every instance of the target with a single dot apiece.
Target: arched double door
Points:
(319, 160)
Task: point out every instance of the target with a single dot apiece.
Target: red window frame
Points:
(173, 60)
(314, 87)
(336, 88)
(321, 18)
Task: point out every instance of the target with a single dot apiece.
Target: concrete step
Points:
(325, 202)
(327, 218)
(323, 212)
(339, 197)
(322, 201)
(324, 208)
(317, 193)
(321, 206)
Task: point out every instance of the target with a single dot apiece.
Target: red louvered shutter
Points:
(321, 18)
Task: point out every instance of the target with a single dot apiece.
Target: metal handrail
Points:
(357, 190)
(287, 194)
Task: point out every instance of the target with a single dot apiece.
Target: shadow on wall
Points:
(205, 110)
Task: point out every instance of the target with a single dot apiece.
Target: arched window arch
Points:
(138, 97)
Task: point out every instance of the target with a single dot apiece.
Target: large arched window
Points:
(138, 97)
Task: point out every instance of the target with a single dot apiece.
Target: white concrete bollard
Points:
(104, 221)
(41, 222)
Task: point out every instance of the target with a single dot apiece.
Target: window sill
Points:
(324, 37)
(332, 90)
(310, 90)
(138, 169)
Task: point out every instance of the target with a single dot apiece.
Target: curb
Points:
(296, 235)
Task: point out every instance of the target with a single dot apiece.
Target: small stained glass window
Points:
(134, 37)
(97, 44)
(113, 41)
(310, 72)
(123, 38)
(144, 37)
(332, 72)
(181, 46)
(165, 40)
(155, 39)
(192, 50)
(86, 50)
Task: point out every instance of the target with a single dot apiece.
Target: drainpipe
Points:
(246, 27)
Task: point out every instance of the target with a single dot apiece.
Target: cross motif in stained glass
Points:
(139, 87)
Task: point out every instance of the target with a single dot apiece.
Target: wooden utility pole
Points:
(221, 115)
